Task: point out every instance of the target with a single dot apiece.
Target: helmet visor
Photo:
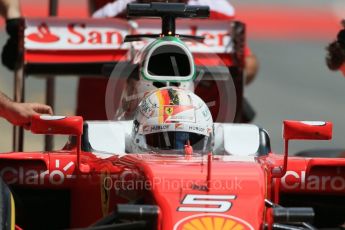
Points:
(175, 140)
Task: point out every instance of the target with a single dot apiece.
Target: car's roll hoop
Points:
(168, 12)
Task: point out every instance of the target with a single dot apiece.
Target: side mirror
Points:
(307, 130)
(51, 125)
(301, 130)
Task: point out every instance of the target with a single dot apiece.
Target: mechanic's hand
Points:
(21, 113)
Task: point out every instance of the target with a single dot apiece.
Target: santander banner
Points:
(64, 34)
(109, 34)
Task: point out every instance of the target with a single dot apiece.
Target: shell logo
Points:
(212, 222)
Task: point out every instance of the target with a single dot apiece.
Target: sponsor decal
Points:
(298, 180)
(19, 175)
(43, 35)
(88, 35)
(218, 38)
(169, 110)
(92, 37)
(179, 126)
(72, 35)
(147, 129)
(146, 109)
(197, 129)
(156, 128)
(211, 39)
(212, 221)
(179, 113)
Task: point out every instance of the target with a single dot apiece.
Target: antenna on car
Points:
(168, 12)
(209, 170)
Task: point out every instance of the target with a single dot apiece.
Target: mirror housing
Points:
(301, 130)
(307, 130)
(51, 125)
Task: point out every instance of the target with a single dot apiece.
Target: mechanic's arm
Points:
(112, 9)
(21, 113)
(10, 9)
(251, 68)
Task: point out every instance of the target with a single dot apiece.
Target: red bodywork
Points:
(189, 190)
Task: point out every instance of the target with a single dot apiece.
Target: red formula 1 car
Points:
(241, 185)
(97, 182)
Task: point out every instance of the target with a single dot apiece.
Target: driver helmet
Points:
(169, 118)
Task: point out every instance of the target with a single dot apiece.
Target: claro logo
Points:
(21, 175)
(293, 180)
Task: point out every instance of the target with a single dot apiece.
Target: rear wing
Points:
(83, 46)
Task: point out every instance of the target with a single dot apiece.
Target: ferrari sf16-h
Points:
(171, 166)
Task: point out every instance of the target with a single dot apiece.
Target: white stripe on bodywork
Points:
(68, 166)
